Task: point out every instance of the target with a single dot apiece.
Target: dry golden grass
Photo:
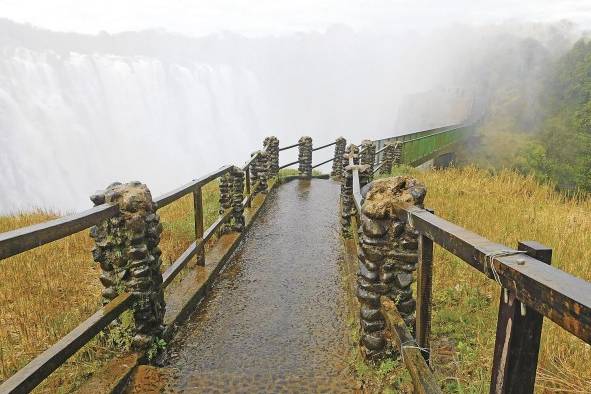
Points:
(505, 208)
(48, 291)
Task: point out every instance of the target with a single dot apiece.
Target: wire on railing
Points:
(289, 164)
(381, 150)
(324, 162)
(377, 168)
(289, 147)
(324, 146)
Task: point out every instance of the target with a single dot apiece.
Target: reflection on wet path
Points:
(276, 318)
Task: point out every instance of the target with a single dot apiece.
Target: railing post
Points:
(347, 204)
(388, 155)
(253, 171)
(368, 156)
(337, 163)
(225, 199)
(237, 198)
(387, 257)
(305, 156)
(424, 294)
(247, 184)
(126, 247)
(198, 213)
(397, 153)
(517, 343)
(271, 145)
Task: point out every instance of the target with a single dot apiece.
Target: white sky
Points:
(198, 17)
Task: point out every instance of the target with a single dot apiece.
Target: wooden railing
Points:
(27, 238)
(531, 290)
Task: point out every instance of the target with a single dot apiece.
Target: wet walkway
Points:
(276, 320)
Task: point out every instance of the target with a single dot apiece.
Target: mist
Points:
(78, 112)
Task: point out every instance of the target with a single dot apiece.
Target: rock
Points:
(373, 341)
(403, 280)
(372, 326)
(109, 293)
(98, 197)
(368, 313)
(371, 276)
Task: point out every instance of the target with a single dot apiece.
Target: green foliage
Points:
(119, 336)
(157, 346)
(541, 124)
(386, 367)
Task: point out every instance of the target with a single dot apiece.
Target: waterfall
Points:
(73, 123)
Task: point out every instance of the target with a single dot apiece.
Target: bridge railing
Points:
(531, 289)
(261, 165)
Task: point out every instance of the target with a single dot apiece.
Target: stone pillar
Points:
(271, 145)
(305, 156)
(387, 257)
(337, 163)
(397, 153)
(237, 198)
(126, 247)
(225, 198)
(388, 159)
(368, 156)
(262, 171)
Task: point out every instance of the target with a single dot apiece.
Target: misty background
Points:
(79, 110)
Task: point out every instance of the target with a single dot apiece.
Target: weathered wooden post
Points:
(424, 295)
(305, 156)
(519, 329)
(126, 247)
(337, 163)
(387, 256)
(237, 198)
(247, 185)
(198, 221)
(271, 145)
(225, 199)
(347, 204)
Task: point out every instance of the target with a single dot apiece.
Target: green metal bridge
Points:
(422, 146)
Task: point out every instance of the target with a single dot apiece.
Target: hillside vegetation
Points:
(540, 122)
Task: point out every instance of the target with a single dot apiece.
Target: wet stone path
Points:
(276, 319)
